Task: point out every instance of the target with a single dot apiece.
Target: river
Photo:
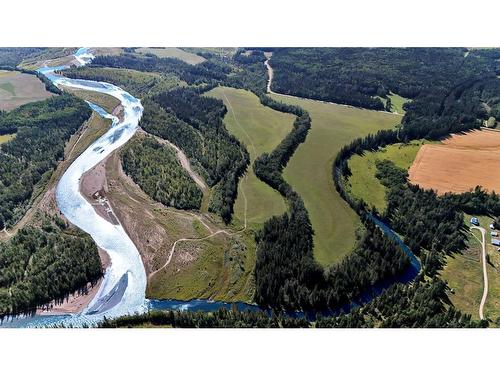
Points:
(122, 291)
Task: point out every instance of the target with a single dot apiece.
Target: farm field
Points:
(173, 52)
(309, 171)
(18, 88)
(260, 129)
(459, 163)
(364, 185)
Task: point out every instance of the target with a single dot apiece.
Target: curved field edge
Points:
(363, 183)
(309, 171)
(260, 129)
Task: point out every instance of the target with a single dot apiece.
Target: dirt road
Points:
(485, 274)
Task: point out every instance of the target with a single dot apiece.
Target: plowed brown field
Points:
(459, 163)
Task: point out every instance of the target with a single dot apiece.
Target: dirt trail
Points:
(485, 273)
(199, 217)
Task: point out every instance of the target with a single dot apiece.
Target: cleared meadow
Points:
(309, 171)
(363, 184)
(260, 129)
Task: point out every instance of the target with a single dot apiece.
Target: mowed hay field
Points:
(260, 129)
(309, 171)
(177, 53)
(18, 88)
(459, 163)
(363, 184)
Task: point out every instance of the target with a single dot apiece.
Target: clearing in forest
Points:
(309, 171)
(260, 129)
(18, 88)
(177, 53)
(363, 183)
(459, 163)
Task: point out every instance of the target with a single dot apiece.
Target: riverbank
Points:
(76, 302)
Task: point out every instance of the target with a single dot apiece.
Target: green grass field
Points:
(173, 52)
(396, 102)
(222, 271)
(310, 171)
(260, 129)
(364, 185)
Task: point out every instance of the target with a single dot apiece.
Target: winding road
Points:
(485, 273)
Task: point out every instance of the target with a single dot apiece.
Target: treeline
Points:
(205, 72)
(40, 264)
(419, 305)
(155, 168)
(221, 318)
(219, 153)
(356, 76)
(432, 226)
(42, 129)
(49, 86)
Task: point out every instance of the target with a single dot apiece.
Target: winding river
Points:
(122, 290)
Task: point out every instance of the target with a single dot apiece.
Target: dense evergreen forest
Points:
(155, 168)
(356, 76)
(43, 263)
(42, 129)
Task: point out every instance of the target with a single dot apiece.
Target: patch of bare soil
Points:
(94, 187)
